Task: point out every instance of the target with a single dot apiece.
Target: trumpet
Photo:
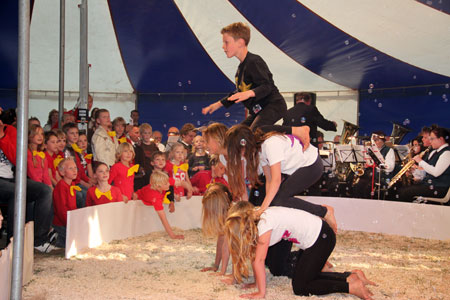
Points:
(405, 168)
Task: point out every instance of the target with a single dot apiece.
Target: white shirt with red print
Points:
(297, 226)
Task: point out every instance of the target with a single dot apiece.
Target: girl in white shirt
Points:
(252, 237)
(278, 155)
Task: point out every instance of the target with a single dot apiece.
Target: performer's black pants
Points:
(307, 276)
(293, 185)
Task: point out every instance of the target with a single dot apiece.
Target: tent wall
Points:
(165, 110)
(412, 107)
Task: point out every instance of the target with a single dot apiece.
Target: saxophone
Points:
(405, 168)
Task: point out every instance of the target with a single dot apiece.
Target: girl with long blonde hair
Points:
(215, 204)
(257, 237)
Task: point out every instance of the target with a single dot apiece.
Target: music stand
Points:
(350, 153)
(328, 160)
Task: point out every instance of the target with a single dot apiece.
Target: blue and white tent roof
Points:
(318, 45)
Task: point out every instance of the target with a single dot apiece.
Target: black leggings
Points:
(307, 277)
(271, 113)
(293, 185)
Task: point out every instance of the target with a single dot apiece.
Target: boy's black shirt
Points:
(254, 74)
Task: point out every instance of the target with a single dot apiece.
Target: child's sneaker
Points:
(45, 248)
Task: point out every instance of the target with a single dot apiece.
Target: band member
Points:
(306, 113)
(437, 167)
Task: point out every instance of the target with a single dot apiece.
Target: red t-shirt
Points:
(63, 202)
(151, 197)
(39, 171)
(118, 176)
(91, 198)
(179, 174)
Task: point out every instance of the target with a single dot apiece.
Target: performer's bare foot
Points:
(363, 278)
(356, 287)
(302, 133)
(330, 218)
(328, 267)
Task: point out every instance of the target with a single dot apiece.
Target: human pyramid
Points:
(248, 175)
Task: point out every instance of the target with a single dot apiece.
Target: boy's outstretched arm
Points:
(163, 218)
(211, 108)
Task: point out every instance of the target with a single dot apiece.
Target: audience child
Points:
(64, 198)
(178, 169)
(187, 134)
(147, 148)
(103, 192)
(202, 179)
(158, 163)
(215, 205)
(118, 126)
(37, 166)
(104, 142)
(72, 150)
(38, 195)
(82, 147)
(199, 160)
(51, 154)
(153, 194)
(122, 172)
(61, 142)
(267, 239)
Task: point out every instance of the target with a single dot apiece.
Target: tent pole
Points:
(62, 45)
(84, 67)
(22, 146)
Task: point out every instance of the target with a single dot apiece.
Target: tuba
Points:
(398, 133)
(348, 131)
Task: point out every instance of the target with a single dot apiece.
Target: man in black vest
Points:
(306, 113)
(437, 166)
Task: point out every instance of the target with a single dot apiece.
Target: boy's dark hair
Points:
(238, 31)
(8, 116)
(426, 129)
(48, 135)
(305, 96)
(98, 112)
(157, 153)
(381, 135)
(97, 164)
(320, 134)
(134, 111)
(188, 127)
(68, 126)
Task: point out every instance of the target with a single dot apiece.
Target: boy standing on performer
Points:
(254, 84)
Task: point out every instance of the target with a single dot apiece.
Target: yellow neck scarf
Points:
(98, 194)
(133, 170)
(76, 148)
(72, 188)
(184, 167)
(39, 153)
